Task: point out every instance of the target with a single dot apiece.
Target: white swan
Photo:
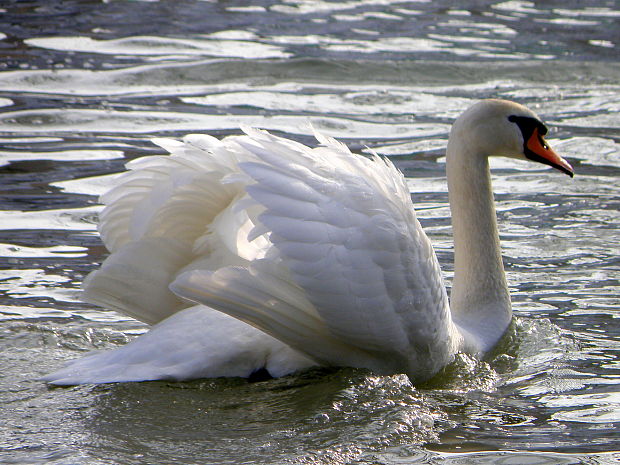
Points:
(316, 253)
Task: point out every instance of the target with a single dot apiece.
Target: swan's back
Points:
(319, 248)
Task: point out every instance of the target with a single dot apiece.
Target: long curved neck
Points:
(479, 301)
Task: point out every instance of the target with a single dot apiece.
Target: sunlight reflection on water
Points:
(78, 102)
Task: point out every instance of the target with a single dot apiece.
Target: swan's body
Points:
(317, 251)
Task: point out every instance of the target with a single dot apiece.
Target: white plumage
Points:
(315, 256)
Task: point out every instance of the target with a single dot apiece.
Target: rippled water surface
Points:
(85, 85)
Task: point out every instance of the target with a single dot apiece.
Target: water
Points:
(84, 85)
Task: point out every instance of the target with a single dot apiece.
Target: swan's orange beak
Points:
(537, 149)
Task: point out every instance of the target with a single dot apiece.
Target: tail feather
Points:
(197, 342)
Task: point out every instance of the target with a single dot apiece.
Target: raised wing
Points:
(346, 235)
(165, 214)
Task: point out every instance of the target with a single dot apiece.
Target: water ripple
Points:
(83, 87)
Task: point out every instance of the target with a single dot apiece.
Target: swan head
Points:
(505, 128)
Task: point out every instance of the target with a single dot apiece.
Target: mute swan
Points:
(309, 256)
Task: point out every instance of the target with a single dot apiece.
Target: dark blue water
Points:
(85, 85)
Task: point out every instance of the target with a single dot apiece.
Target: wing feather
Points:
(359, 252)
(318, 247)
(347, 245)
